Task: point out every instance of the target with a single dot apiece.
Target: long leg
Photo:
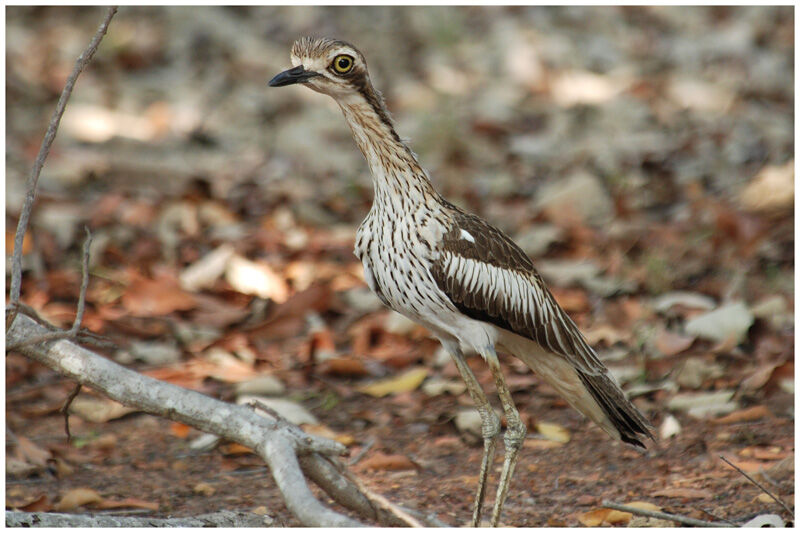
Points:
(515, 433)
(490, 424)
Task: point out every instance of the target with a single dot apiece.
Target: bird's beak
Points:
(294, 75)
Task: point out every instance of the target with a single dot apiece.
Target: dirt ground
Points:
(643, 158)
(140, 456)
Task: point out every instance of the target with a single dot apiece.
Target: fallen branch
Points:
(278, 442)
(219, 519)
(664, 516)
(760, 486)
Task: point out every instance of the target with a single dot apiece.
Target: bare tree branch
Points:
(760, 486)
(65, 409)
(44, 150)
(664, 516)
(218, 519)
(278, 442)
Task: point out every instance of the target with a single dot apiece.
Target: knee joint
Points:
(515, 434)
(490, 424)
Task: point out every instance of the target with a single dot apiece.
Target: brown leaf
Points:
(759, 378)
(744, 415)
(179, 430)
(606, 334)
(344, 366)
(234, 448)
(98, 409)
(135, 503)
(27, 242)
(155, 297)
(684, 493)
(40, 504)
(405, 382)
(762, 453)
(382, 461)
(618, 517)
(328, 433)
(30, 453)
(78, 497)
(593, 518)
(571, 300)
(670, 343)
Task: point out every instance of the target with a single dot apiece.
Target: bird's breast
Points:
(397, 251)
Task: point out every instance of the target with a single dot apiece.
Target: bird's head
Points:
(328, 66)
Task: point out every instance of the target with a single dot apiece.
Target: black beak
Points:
(294, 75)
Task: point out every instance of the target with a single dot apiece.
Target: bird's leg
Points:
(490, 425)
(515, 433)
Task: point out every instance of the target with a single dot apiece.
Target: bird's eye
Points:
(342, 64)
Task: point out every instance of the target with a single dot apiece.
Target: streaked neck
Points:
(395, 169)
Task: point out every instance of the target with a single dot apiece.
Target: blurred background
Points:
(643, 157)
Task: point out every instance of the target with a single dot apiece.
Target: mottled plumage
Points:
(459, 276)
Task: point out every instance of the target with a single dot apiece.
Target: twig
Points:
(664, 516)
(72, 332)
(712, 515)
(44, 150)
(84, 283)
(65, 409)
(362, 452)
(759, 485)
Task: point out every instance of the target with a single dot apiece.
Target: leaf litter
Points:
(232, 251)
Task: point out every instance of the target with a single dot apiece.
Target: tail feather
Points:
(626, 417)
(596, 396)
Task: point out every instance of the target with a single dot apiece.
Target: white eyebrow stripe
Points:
(467, 236)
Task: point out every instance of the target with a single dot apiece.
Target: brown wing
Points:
(489, 278)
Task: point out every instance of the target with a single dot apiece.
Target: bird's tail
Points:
(595, 395)
(619, 411)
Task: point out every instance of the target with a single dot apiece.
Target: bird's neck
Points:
(396, 174)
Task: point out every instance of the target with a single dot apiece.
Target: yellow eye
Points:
(342, 64)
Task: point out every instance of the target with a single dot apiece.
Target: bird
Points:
(457, 275)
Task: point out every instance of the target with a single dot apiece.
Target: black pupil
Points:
(344, 63)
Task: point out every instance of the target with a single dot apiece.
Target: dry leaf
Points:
(618, 517)
(685, 493)
(98, 410)
(405, 382)
(343, 366)
(671, 343)
(155, 297)
(179, 430)
(203, 273)
(745, 415)
(553, 432)
(382, 461)
(234, 448)
(40, 504)
(204, 488)
(135, 503)
(250, 277)
(75, 498)
(324, 431)
(593, 518)
(773, 453)
(541, 444)
(669, 428)
(30, 453)
(645, 506)
(772, 189)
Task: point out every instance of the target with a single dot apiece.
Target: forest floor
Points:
(643, 157)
